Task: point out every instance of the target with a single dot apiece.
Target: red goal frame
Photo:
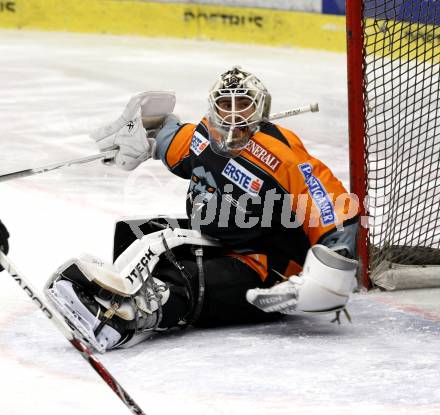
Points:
(356, 125)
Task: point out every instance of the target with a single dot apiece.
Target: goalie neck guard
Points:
(238, 103)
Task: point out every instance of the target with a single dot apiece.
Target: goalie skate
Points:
(80, 319)
(282, 298)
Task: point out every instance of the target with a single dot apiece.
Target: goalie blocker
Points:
(173, 277)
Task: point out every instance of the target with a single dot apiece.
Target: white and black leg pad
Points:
(325, 285)
(105, 315)
(73, 294)
(81, 319)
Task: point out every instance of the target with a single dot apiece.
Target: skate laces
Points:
(108, 314)
(150, 291)
(141, 304)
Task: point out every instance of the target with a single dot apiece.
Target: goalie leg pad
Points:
(325, 285)
(100, 315)
(327, 280)
(80, 318)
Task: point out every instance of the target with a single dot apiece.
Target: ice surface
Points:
(55, 88)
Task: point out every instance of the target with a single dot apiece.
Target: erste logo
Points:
(198, 143)
(242, 177)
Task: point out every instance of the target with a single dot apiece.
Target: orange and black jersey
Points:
(268, 205)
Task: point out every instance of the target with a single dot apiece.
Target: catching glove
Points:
(127, 134)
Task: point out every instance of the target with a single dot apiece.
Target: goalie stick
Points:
(296, 111)
(78, 344)
(37, 170)
(109, 155)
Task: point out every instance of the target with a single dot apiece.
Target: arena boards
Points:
(263, 26)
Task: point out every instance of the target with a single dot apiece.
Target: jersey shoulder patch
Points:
(199, 143)
(319, 194)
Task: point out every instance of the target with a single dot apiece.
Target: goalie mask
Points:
(238, 103)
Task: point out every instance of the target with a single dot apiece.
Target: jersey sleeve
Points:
(319, 199)
(173, 144)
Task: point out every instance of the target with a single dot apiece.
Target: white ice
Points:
(55, 88)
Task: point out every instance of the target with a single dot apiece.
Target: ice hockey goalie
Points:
(269, 229)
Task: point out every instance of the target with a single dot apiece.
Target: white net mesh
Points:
(401, 89)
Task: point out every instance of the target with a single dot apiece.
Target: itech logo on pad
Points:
(242, 177)
(198, 143)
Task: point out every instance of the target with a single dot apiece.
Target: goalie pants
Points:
(226, 281)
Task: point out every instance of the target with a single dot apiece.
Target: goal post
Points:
(356, 126)
(393, 69)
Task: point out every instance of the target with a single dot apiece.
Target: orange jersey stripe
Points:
(293, 268)
(258, 262)
(179, 147)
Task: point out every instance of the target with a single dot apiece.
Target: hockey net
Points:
(394, 60)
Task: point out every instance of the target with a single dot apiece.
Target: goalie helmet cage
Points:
(393, 55)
